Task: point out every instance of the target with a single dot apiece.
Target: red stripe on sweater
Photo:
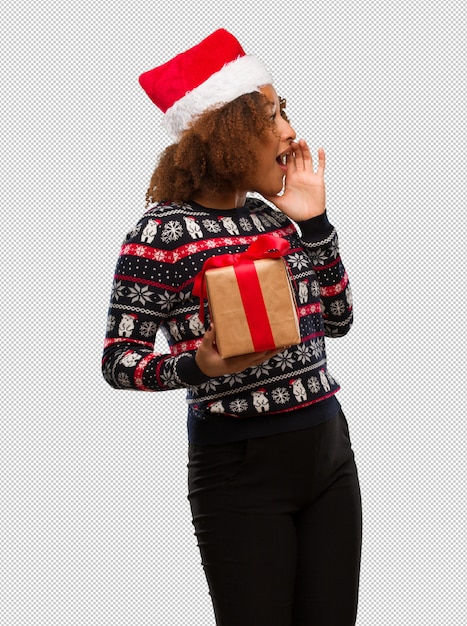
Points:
(139, 372)
(185, 346)
(319, 268)
(309, 309)
(152, 283)
(312, 336)
(333, 290)
(172, 256)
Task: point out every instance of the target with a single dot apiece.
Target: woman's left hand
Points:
(304, 194)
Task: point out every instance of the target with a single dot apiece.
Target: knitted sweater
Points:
(152, 291)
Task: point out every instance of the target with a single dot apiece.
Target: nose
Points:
(287, 133)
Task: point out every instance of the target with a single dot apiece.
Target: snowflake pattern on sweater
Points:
(151, 292)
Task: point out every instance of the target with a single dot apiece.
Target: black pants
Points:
(278, 522)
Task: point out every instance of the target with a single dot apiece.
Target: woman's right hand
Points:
(212, 364)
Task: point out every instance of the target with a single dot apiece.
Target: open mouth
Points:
(282, 161)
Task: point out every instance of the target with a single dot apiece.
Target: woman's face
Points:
(271, 168)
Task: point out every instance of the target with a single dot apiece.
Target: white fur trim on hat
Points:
(244, 75)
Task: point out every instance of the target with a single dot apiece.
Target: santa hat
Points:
(209, 75)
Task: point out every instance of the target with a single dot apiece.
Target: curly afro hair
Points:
(217, 153)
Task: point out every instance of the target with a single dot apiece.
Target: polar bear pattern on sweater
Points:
(127, 324)
(260, 400)
(150, 231)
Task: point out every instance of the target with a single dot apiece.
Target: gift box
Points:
(250, 298)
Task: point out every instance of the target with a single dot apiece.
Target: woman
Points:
(273, 486)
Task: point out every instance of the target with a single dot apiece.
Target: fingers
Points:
(302, 159)
(210, 334)
(321, 161)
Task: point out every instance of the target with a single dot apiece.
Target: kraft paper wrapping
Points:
(233, 335)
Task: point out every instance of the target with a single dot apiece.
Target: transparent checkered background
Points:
(94, 523)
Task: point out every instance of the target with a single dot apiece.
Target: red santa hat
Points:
(209, 75)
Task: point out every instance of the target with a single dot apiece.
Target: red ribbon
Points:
(265, 247)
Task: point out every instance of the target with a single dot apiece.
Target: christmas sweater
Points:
(152, 292)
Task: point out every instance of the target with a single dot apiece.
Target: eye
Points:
(282, 105)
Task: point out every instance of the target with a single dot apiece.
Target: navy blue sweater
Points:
(152, 291)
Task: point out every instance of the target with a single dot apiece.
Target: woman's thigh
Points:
(248, 553)
(329, 533)
(328, 568)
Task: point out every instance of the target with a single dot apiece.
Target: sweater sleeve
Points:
(141, 305)
(319, 239)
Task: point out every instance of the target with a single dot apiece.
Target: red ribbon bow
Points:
(265, 247)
